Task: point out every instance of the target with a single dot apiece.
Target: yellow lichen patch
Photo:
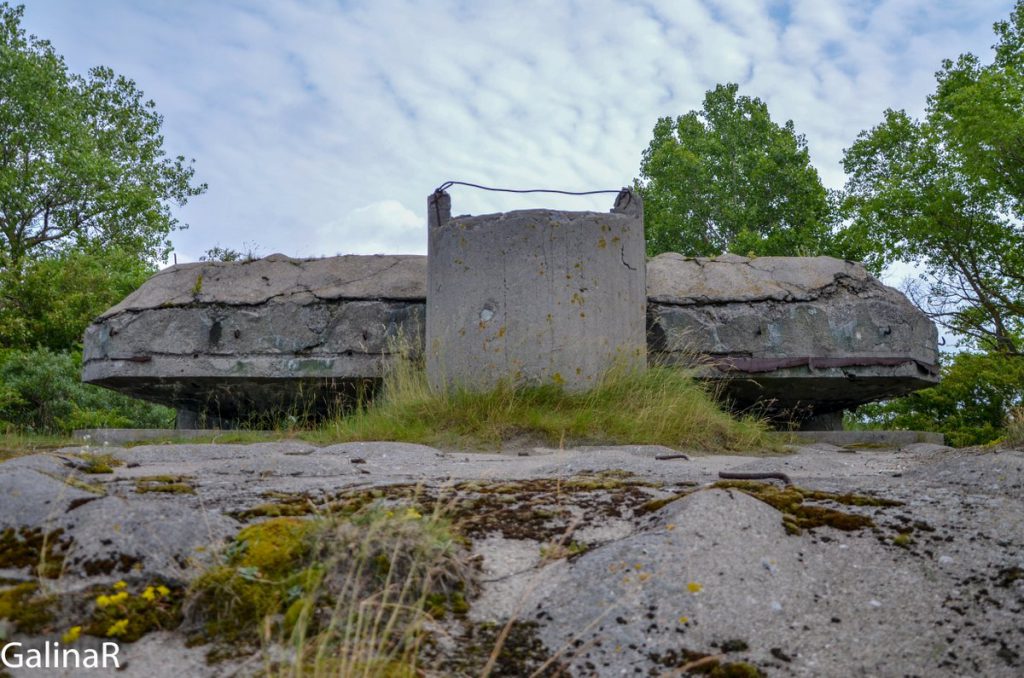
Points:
(121, 613)
(903, 540)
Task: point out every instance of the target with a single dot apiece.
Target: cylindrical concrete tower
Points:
(534, 296)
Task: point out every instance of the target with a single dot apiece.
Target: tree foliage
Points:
(59, 294)
(81, 157)
(947, 192)
(971, 405)
(40, 392)
(728, 178)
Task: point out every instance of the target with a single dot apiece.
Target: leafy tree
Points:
(81, 158)
(728, 178)
(59, 294)
(947, 192)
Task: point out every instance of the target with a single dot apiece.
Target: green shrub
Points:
(41, 392)
(53, 299)
(971, 405)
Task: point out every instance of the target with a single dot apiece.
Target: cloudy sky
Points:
(321, 126)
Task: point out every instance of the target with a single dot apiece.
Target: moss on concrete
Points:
(33, 548)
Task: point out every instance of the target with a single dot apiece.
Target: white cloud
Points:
(302, 111)
(381, 227)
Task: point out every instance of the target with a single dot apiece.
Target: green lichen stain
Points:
(311, 366)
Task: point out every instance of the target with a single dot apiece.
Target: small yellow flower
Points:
(118, 598)
(120, 586)
(71, 635)
(694, 587)
(683, 620)
(163, 590)
(102, 601)
(118, 628)
(149, 594)
(412, 514)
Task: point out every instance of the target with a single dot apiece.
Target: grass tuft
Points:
(1015, 428)
(347, 595)
(661, 406)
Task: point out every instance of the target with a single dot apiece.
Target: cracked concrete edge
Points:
(280, 278)
(403, 277)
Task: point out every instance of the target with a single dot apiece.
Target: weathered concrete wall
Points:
(240, 339)
(534, 296)
(796, 336)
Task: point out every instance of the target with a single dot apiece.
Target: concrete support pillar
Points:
(534, 296)
(186, 420)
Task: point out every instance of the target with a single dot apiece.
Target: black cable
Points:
(448, 184)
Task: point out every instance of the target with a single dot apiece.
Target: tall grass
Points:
(16, 443)
(336, 595)
(663, 406)
(1015, 428)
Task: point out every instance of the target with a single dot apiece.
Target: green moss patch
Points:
(23, 605)
(349, 591)
(799, 515)
(264, 569)
(31, 547)
(169, 484)
(99, 463)
(538, 509)
(801, 508)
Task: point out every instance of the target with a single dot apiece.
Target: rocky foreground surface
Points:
(612, 560)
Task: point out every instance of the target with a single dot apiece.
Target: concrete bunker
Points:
(799, 339)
